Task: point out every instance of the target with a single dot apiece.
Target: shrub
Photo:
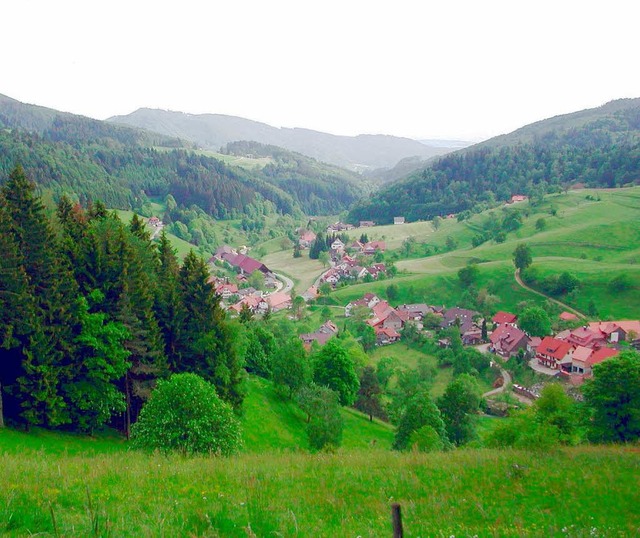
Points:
(185, 414)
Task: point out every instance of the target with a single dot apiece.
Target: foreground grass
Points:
(588, 491)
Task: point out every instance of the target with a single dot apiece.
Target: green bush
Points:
(185, 414)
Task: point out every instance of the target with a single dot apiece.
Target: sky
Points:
(450, 69)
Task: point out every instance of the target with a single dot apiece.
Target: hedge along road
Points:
(561, 304)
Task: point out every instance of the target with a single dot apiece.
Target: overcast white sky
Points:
(447, 69)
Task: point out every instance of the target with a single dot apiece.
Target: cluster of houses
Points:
(571, 353)
(350, 266)
(237, 294)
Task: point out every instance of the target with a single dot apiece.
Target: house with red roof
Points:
(507, 340)
(585, 358)
(583, 336)
(385, 336)
(372, 246)
(617, 331)
(553, 353)
(326, 331)
(568, 316)
(381, 311)
(226, 290)
(278, 300)
(306, 238)
(503, 318)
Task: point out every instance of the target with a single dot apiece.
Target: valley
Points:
(476, 362)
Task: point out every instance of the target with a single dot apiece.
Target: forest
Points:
(478, 178)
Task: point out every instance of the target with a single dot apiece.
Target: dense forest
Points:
(601, 153)
(92, 313)
(123, 166)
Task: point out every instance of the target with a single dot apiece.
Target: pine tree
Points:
(51, 283)
(207, 345)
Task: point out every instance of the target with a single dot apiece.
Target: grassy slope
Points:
(588, 491)
(273, 423)
(595, 240)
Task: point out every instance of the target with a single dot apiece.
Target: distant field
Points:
(594, 239)
(303, 271)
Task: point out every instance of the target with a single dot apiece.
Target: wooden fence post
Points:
(396, 521)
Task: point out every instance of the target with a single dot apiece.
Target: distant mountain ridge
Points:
(122, 165)
(598, 147)
(213, 131)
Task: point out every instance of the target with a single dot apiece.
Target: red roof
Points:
(568, 316)
(504, 317)
(553, 347)
(390, 332)
(601, 354)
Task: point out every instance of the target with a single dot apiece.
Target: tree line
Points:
(92, 313)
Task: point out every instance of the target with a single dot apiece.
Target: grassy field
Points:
(594, 234)
(271, 422)
(577, 492)
(303, 271)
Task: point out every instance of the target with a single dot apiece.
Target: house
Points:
(155, 222)
(416, 311)
(376, 269)
(358, 272)
(332, 276)
(472, 336)
(583, 336)
(241, 262)
(337, 245)
(372, 247)
(395, 320)
(506, 340)
(339, 227)
(366, 223)
(617, 331)
(221, 252)
(584, 359)
(380, 312)
(553, 353)
(567, 316)
(398, 220)
(326, 331)
(385, 336)
(357, 247)
(504, 318)
(226, 290)
(306, 238)
(255, 303)
(278, 300)
(464, 317)
(369, 300)
(311, 294)
(516, 198)
(309, 338)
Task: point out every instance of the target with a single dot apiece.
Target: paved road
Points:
(566, 307)
(288, 283)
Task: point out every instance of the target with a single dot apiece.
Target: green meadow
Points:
(577, 492)
(593, 234)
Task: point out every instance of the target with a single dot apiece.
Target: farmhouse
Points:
(278, 300)
(553, 353)
(366, 223)
(306, 238)
(506, 340)
(463, 316)
(398, 220)
(386, 336)
(326, 331)
(502, 318)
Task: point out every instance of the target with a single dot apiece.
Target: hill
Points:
(213, 131)
(122, 166)
(597, 148)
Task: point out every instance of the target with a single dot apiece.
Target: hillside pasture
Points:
(576, 492)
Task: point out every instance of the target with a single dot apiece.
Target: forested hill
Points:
(122, 166)
(598, 148)
(213, 131)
